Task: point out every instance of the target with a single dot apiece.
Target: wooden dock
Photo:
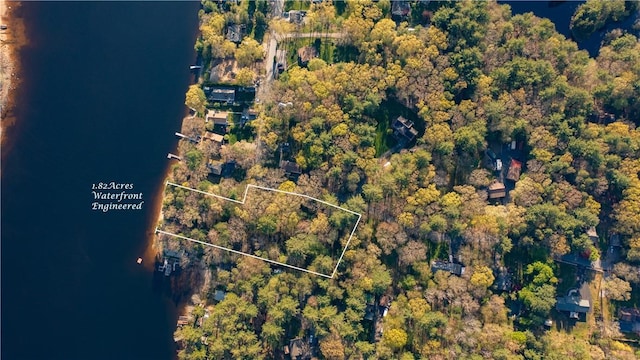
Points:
(172, 156)
(188, 138)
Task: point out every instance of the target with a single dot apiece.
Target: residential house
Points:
(213, 137)
(235, 33)
(515, 168)
(217, 117)
(576, 303)
(403, 129)
(504, 280)
(291, 168)
(245, 94)
(629, 320)
(497, 190)
(223, 95)
(298, 349)
(449, 266)
(296, 16)
(400, 9)
(215, 167)
(305, 54)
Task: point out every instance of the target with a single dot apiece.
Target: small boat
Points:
(194, 67)
(139, 261)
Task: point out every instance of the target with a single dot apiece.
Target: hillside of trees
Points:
(472, 77)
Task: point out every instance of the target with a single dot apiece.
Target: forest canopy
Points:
(469, 79)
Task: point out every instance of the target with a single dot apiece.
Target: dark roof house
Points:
(290, 167)
(451, 267)
(245, 94)
(504, 280)
(403, 128)
(235, 32)
(220, 94)
(629, 320)
(576, 303)
(400, 9)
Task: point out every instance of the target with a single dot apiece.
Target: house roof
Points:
(211, 136)
(400, 8)
(218, 117)
(497, 190)
(573, 302)
(514, 170)
(235, 32)
(290, 167)
(297, 16)
(629, 314)
(307, 53)
(504, 280)
(218, 94)
(215, 167)
(404, 127)
(453, 268)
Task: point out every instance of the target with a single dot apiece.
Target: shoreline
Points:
(11, 39)
(153, 248)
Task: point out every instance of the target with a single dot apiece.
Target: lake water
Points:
(102, 93)
(560, 13)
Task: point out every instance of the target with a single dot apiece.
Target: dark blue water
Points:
(102, 93)
(560, 13)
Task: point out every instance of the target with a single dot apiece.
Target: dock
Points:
(188, 138)
(172, 156)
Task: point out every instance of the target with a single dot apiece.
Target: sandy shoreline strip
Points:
(10, 40)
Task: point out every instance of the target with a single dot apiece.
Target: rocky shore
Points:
(11, 38)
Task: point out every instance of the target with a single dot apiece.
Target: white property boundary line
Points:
(246, 190)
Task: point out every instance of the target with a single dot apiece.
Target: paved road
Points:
(277, 8)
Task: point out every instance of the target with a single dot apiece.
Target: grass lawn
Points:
(326, 49)
(297, 5)
(383, 141)
(566, 278)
